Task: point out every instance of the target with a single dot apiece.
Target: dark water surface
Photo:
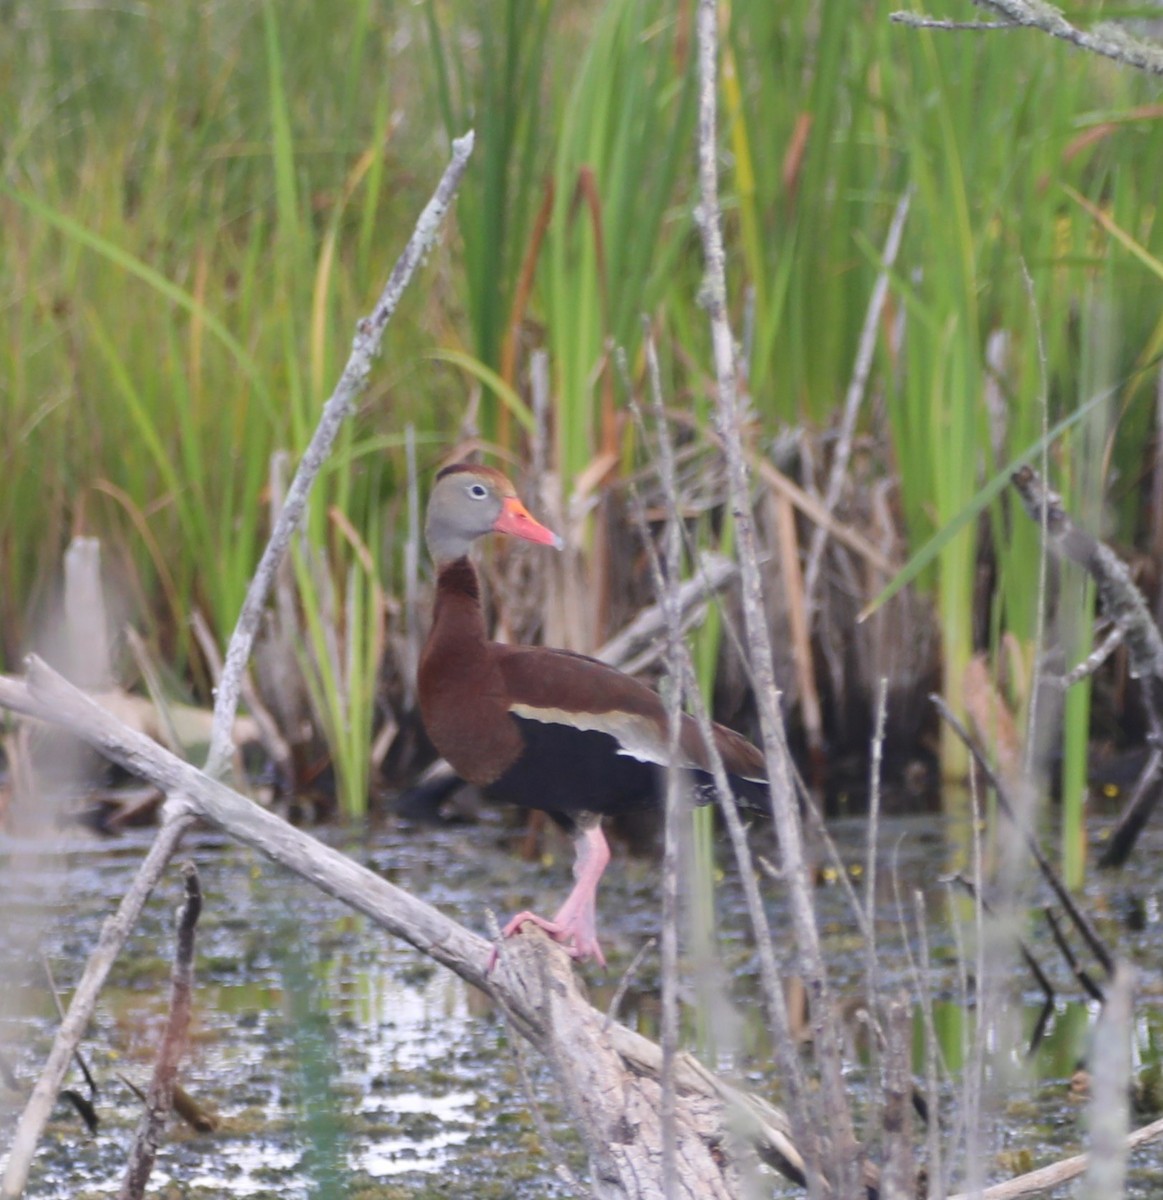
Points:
(340, 1063)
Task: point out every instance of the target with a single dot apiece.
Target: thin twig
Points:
(626, 979)
(899, 1178)
(268, 728)
(854, 398)
(1091, 663)
(1032, 731)
(369, 333)
(1040, 976)
(932, 1046)
(1122, 601)
(176, 819)
(1076, 968)
(871, 971)
(412, 622)
(666, 575)
(839, 1146)
(913, 21)
(56, 998)
(769, 973)
(160, 1100)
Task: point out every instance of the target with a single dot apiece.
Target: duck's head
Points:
(468, 501)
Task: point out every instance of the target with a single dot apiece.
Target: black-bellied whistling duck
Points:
(542, 728)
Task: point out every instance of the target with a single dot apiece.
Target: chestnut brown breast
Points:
(549, 729)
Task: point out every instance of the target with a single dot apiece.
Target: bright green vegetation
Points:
(200, 200)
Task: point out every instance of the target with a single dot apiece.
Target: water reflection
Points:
(335, 1057)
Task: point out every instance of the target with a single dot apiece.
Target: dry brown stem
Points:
(160, 1100)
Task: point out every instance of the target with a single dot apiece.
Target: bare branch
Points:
(177, 815)
(840, 1148)
(1124, 605)
(338, 408)
(1107, 40)
(705, 1105)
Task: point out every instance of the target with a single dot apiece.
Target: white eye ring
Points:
(477, 491)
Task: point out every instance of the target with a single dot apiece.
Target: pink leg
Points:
(575, 924)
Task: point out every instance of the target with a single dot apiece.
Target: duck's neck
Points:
(458, 612)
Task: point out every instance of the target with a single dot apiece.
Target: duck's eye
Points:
(478, 491)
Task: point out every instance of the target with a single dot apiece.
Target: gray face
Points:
(463, 507)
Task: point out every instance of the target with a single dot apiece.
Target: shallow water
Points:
(341, 1063)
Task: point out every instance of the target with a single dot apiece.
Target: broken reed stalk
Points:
(176, 814)
(839, 1150)
(538, 988)
(160, 1100)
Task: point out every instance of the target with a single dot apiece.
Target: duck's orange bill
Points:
(515, 519)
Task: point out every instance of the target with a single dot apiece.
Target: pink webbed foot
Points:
(575, 925)
(577, 936)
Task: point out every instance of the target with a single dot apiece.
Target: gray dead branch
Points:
(609, 1074)
(178, 814)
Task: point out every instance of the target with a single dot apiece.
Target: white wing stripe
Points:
(637, 736)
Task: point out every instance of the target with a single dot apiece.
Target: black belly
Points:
(567, 772)
(573, 773)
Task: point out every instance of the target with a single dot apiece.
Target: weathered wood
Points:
(1048, 1178)
(619, 1112)
(609, 1074)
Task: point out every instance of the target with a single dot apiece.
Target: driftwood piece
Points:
(617, 1068)
(1056, 1175)
(1124, 605)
